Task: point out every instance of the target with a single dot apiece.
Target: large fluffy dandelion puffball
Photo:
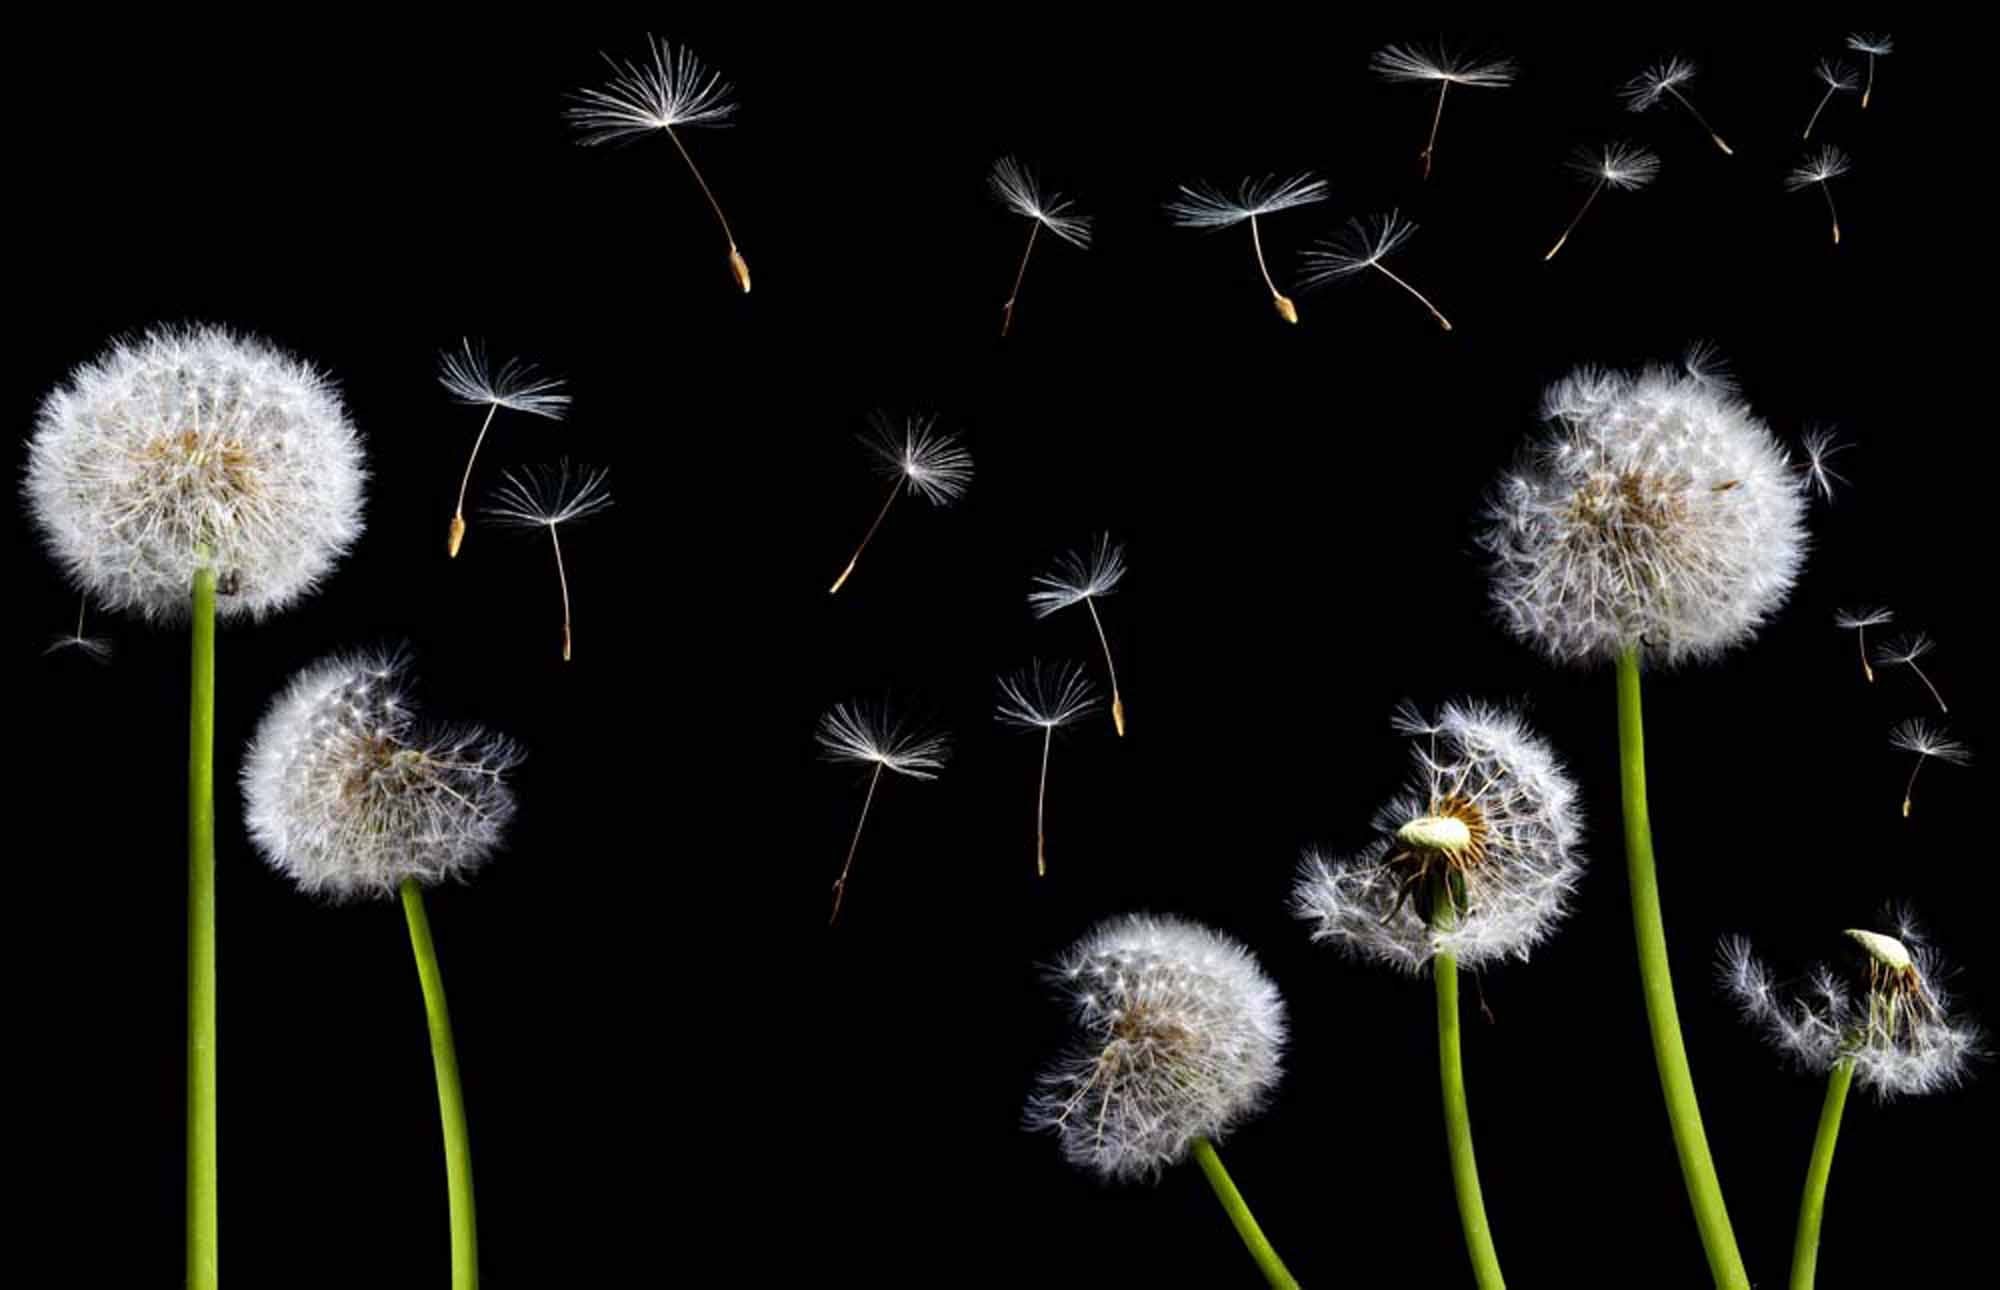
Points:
(1488, 827)
(1653, 512)
(195, 448)
(1182, 1035)
(348, 797)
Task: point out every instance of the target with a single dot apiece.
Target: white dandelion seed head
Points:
(470, 377)
(1079, 576)
(1015, 185)
(195, 448)
(1361, 244)
(932, 462)
(1490, 810)
(671, 88)
(1207, 206)
(1895, 1025)
(1625, 166)
(1925, 739)
(1856, 619)
(1412, 63)
(1182, 1037)
(873, 733)
(1656, 82)
(1865, 43)
(1838, 77)
(348, 796)
(1818, 167)
(1653, 511)
(1821, 446)
(1045, 696)
(532, 497)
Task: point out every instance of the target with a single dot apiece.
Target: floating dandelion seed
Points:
(1081, 577)
(1409, 63)
(1875, 47)
(1205, 206)
(549, 497)
(94, 648)
(1704, 364)
(1039, 698)
(1623, 166)
(1014, 184)
(674, 89)
(854, 732)
(469, 378)
(921, 459)
(1828, 163)
(1839, 79)
(1859, 621)
(1904, 651)
(1821, 447)
(1926, 741)
(1364, 244)
(1662, 79)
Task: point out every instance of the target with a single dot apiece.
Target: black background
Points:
(669, 1060)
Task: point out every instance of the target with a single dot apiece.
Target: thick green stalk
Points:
(1267, 1258)
(1711, 1216)
(1457, 1120)
(201, 1154)
(451, 1096)
(1805, 1249)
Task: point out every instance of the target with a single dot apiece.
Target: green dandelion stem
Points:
(1812, 1204)
(1232, 1200)
(451, 1095)
(201, 1105)
(1704, 1190)
(1457, 1120)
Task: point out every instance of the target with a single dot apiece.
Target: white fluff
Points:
(1654, 511)
(345, 795)
(195, 448)
(1182, 1037)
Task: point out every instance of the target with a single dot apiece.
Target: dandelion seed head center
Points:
(1445, 833)
(1885, 950)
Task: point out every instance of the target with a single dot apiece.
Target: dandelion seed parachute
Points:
(1205, 206)
(1663, 80)
(1927, 742)
(1821, 447)
(1904, 651)
(469, 377)
(928, 462)
(1016, 187)
(545, 497)
(1081, 577)
(1838, 79)
(1409, 63)
(1045, 699)
(95, 648)
(1623, 166)
(873, 735)
(1819, 170)
(1875, 47)
(1364, 244)
(1859, 621)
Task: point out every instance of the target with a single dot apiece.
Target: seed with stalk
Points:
(921, 459)
(1207, 207)
(1623, 166)
(515, 385)
(871, 735)
(1838, 78)
(95, 648)
(1363, 244)
(1080, 577)
(1409, 63)
(1015, 185)
(1661, 80)
(538, 497)
(1904, 651)
(1044, 698)
(672, 89)
(1827, 164)
(1927, 742)
(1875, 47)
(1859, 621)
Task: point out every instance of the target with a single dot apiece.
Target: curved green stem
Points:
(1704, 1190)
(201, 1154)
(451, 1096)
(1457, 1120)
(1805, 1249)
(1260, 1248)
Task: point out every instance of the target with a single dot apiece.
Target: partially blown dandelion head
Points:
(195, 448)
(1893, 1021)
(670, 88)
(1410, 63)
(872, 734)
(1865, 43)
(1617, 165)
(1206, 206)
(347, 795)
(1044, 696)
(1014, 184)
(1654, 511)
(1181, 1038)
(1361, 244)
(1476, 859)
(1079, 576)
(932, 462)
(1656, 82)
(470, 377)
(1827, 163)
